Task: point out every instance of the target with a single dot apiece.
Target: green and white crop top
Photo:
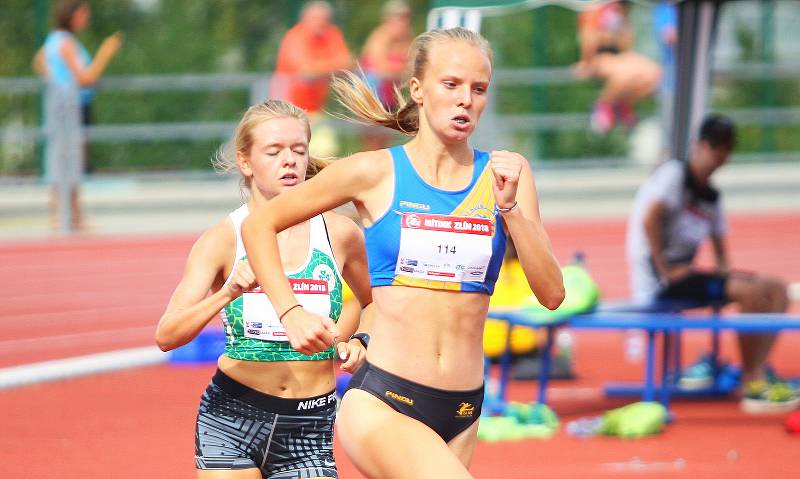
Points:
(252, 329)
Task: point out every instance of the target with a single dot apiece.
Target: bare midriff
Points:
(430, 337)
(285, 379)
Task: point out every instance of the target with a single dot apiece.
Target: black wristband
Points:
(362, 337)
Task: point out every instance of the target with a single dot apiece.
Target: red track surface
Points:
(73, 297)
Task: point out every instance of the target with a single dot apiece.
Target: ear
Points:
(243, 162)
(415, 89)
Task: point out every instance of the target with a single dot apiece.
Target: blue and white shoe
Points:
(699, 375)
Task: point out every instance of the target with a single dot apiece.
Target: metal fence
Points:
(498, 128)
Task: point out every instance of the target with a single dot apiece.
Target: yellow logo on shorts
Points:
(399, 397)
(465, 409)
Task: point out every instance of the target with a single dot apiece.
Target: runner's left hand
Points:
(506, 167)
(352, 353)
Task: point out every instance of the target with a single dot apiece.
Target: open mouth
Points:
(461, 120)
(289, 178)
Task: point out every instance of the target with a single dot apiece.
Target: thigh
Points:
(699, 286)
(463, 445)
(741, 286)
(384, 443)
(252, 473)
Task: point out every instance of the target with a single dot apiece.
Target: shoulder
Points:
(65, 41)
(671, 169)
(217, 241)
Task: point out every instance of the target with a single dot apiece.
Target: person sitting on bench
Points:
(675, 210)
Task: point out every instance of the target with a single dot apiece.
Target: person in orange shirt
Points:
(309, 53)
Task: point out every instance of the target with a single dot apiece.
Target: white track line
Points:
(23, 345)
(80, 366)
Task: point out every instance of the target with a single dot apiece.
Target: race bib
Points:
(444, 248)
(261, 320)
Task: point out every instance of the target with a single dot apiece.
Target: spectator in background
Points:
(675, 210)
(384, 59)
(385, 52)
(606, 42)
(309, 53)
(70, 73)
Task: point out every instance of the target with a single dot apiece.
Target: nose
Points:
(287, 158)
(465, 97)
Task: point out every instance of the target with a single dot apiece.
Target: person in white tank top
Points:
(285, 397)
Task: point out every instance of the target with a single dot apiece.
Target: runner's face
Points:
(278, 157)
(453, 93)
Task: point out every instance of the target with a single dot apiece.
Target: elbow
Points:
(553, 299)
(86, 81)
(164, 341)
(552, 293)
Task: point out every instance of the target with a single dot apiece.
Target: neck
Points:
(436, 151)
(441, 165)
(258, 197)
(699, 173)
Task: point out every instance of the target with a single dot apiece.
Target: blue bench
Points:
(666, 319)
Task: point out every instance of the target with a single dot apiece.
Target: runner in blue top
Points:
(436, 214)
(269, 409)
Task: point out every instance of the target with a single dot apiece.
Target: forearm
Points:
(261, 243)
(96, 69)
(654, 232)
(180, 326)
(536, 258)
(720, 251)
(39, 63)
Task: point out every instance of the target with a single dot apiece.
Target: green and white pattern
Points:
(237, 346)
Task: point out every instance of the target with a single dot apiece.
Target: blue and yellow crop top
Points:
(437, 239)
(252, 329)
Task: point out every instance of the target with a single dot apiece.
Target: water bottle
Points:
(565, 342)
(634, 345)
(585, 426)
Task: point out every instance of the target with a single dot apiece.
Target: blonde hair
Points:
(356, 96)
(242, 139)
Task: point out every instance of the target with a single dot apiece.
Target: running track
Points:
(77, 296)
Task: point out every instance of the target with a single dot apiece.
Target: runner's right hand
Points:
(243, 279)
(309, 333)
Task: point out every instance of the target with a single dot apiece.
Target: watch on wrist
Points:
(362, 337)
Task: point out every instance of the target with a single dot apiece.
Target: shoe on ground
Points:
(763, 397)
(697, 376)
